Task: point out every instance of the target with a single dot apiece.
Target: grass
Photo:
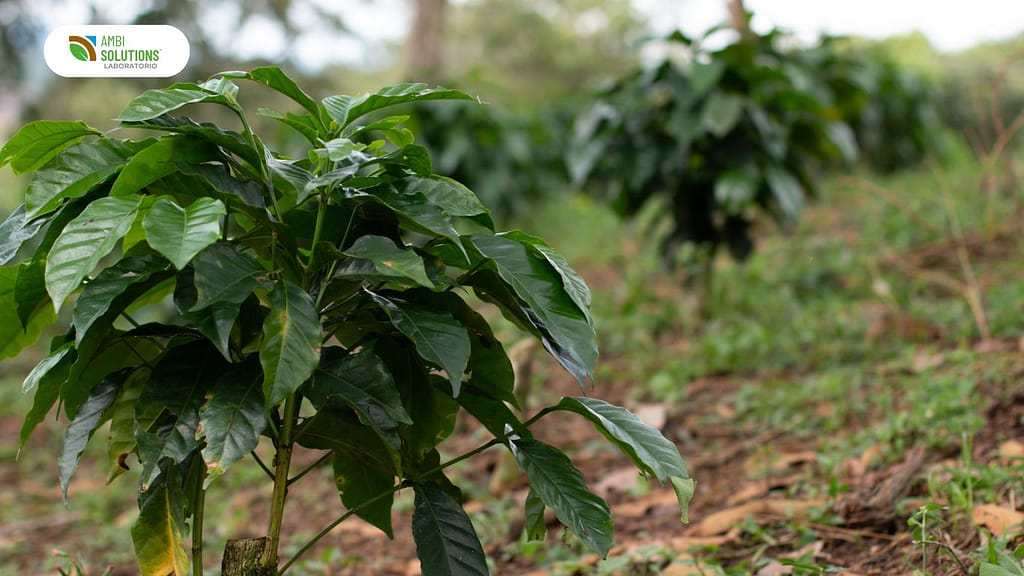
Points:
(824, 341)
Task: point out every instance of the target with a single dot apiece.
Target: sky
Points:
(951, 25)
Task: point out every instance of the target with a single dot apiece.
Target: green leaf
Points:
(438, 336)
(363, 383)
(736, 189)
(446, 543)
(302, 123)
(80, 430)
(649, 450)
(564, 329)
(99, 293)
(30, 290)
(574, 285)
(227, 139)
(153, 103)
(535, 525)
(181, 233)
(346, 109)
(100, 355)
(721, 112)
(560, 486)
(47, 378)
(233, 419)
(389, 259)
(222, 274)
(216, 321)
(178, 385)
(159, 533)
(292, 335)
(160, 160)
(451, 196)
(358, 484)
(274, 78)
(84, 241)
(14, 335)
(76, 171)
(416, 213)
(348, 438)
(14, 231)
(35, 143)
(121, 438)
(787, 192)
(840, 134)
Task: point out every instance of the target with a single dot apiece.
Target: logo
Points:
(100, 51)
(83, 47)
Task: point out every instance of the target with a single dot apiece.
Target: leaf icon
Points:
(79, 52)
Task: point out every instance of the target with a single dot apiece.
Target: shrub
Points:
(316, 303)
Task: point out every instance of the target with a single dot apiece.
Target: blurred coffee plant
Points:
(722, 135)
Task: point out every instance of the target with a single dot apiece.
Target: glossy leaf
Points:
(84, 241)
(362, 383)
(226, 139)
(417, 214)
(35, 143)
(99, 293)
(30, 290)
(223, 274)
(346, 109)
(273, 77)
(233, 418)
(46, 378)
(650, 451)
(160, 160)
(534, 524)
(735, 190)
(787, 192)
(80, 430)
(153, 103)
(181, 233)
(216, 321)
(446, 543)
(159, 533)
(390, 260)
(178, 384)
(302, 123)
(451, 196)
(358, 484)
(438, 337)
(561, 486)
(14, 231)
(76, 171)
(292, 335)
(564, 329)
(574, 285)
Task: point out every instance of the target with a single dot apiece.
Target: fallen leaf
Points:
(720, 522)
(654, 415)
(680, 569)
(997, 519)
(641, 506)
(760, 488)
(774, 568)
(1011, 450)
(619, 480)
(684, 544)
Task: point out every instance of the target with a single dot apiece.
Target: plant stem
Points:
(198, 510)
(310, 468)
(282, 460)
(264, 467)
(348, 513)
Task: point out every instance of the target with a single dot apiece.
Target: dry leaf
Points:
(1011, 450)
(684, 544)
(641, 506)
(688, 569)
(654, 415)
(997, 519)
(720, 522)
(617, 481)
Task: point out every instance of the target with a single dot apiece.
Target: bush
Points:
(316, 303)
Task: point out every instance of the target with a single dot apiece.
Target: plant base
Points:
(242, 558)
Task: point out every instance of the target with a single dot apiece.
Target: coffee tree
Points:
(312, 303)
(718, 135)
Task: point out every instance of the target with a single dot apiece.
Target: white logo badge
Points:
(96, 51)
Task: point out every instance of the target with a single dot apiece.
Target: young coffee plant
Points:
(718, 135)
(311, 303)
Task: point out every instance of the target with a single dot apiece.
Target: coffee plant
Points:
(718, 135)
(312, 303)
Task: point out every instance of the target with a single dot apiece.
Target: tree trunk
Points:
(423, 49)
(242, 558)
(738, 17)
